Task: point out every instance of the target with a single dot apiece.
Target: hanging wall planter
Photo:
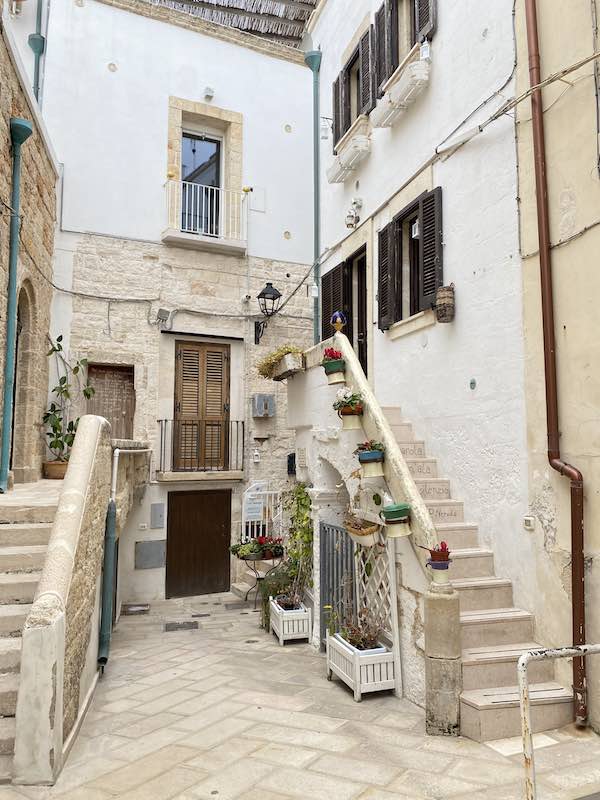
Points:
(396, 518)
(370, 455)
(444, 303)
(439, 562)
(349, 407)
(334, 366)
(365, 534)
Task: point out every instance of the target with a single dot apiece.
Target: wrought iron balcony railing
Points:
(200, 445)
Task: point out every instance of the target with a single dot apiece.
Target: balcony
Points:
(200, 449)
(206, 218)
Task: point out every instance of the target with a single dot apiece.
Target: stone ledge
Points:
(196, 241)
(187, 477)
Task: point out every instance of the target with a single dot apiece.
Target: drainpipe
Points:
(313, 59)
(108, 569)
(20, 131)
(554, 457)
(37, 43)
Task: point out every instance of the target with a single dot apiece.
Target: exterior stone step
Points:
(9, 686)
(495, 626)
(22, 559)
(10, 654)
(422, 467)
(6, 769)
(13, 515)
(458, 534)
(487, 714)
(393, 414)
(446, 510)
(18, 587)
(477, 594)
(471, 562)
(412, 449)
(433, 488)
(25, 534)
(7, 736)
(403, 431)
(241, 588)
(496, 665)
(12, 619)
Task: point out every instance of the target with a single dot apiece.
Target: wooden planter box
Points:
(362, 671)
(289, 365)
(287, 625)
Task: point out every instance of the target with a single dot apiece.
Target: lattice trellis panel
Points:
(373, 589)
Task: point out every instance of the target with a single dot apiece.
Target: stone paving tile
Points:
(331, 742)
(576, 776)
(230, 783)
(490, 773)
(261, 794)
(207, 716)
(381, 794)
(219, 732)
(167, 702)
(167, 785)
(285, 702)
(286, 755)
(75, 775)
(147, 725)
(134, 774)
(369, 772)
(202, 701)
(133, 749)
(221, 756)
(294, 719)
(431, 784)
(301, 783)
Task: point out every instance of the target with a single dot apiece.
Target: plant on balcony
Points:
(334, 365)
(349, 406)
(62, 426)
(268, 366)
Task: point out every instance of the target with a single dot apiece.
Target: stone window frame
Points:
(230, 123)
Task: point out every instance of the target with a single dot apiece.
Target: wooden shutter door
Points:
(430, 247)
(380, 50)
(113, 398)
(216, 406)
(387, 277)
(425, 13)
(392, 38)
(366, 58)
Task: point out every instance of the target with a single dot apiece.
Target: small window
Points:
(354, 88)
(201, 196)
(399, 25)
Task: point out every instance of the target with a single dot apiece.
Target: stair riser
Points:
(29, 514)
(239, 592)
(503, 632)
(7, 745)
(392, 414)
(447, 512)
(490, 597)
(12, 625)
(403, 432)
(473, 567)
(435, 490)
(14, 593)
(484, 725)
(423, 468)
(460, 539)
(10, 661)
(13, 537)
(8, 704)
(21, 562)
(504, 673)
(412, 449)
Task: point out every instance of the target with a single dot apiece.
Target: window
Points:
(200, 184)
(410, 260)
(399, 25)
(354, 88)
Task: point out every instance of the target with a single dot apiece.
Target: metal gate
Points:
(337, 563)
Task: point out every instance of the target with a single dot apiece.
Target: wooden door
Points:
(362, 331)
(113, 398)
(198, 538)
(201, 425)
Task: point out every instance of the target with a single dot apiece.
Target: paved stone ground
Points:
(223, 712)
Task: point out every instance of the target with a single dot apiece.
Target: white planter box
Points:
(289, 365)
(287, 625)
(362, 670)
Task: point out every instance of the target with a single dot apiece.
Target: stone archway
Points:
(26, 449)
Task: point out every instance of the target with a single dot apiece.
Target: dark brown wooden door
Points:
(198, 539)
(113, 398)
(201, 426)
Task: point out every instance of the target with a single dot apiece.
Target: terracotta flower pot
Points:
(55, 470)
(351, 417)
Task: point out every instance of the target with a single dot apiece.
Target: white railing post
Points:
(206, 210)
(530, 790)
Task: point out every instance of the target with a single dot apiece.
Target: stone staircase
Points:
(26, 517)
(494, 632)
(245, 585)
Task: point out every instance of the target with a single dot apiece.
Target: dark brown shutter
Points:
(346, 298)
(335, 296)
(345, 100)
(387, 277)
(335, 112)
(326, 305)
(380, 50)
(425, 12)
(430, 247)
(393, 40)
(366, 66)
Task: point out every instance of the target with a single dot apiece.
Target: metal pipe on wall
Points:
(20, 131)
(554, 456)
(313, 60)
(38, 44)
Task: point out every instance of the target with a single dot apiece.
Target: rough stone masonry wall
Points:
(38, 216)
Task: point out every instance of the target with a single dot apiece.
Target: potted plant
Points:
(356, 655)
(281, 363)
(270, 547)
(62, 427)
(395, 517)
(360, 531)
(349, 406)
(439, 561)
(251, 551)
(334, 365)
(370, 455)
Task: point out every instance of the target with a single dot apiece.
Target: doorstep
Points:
(189, 477)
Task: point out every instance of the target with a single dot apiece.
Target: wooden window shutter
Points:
(425, 14)
(346, 296)
(216, 406)
(345, 100)
(334, 297)
(336, 112)
(380, 50)
(430, 247)
(387, 277)
(326, 305)
(366, 57)
(392, 37)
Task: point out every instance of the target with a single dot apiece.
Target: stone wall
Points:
(38, 216)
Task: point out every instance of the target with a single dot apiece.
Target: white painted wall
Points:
(110, 128)
(477, 435)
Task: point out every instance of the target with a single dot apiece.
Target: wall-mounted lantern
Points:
(268, 302)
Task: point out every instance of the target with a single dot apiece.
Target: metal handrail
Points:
(207, 210)
(200, 445)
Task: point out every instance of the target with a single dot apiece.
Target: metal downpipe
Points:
(554, 457)
(37, 43)
(313, 60)
(20, 131)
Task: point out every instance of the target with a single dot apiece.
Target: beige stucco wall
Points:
(38, 215)
(574, 200)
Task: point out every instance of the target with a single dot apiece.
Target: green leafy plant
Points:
(57, 417)
(369, 446)
(266, 367)
(249, 549)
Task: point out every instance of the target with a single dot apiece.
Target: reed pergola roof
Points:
(282, 21)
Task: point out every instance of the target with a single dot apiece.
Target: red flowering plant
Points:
(331, 354)
(271, 546)
(439, 553)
